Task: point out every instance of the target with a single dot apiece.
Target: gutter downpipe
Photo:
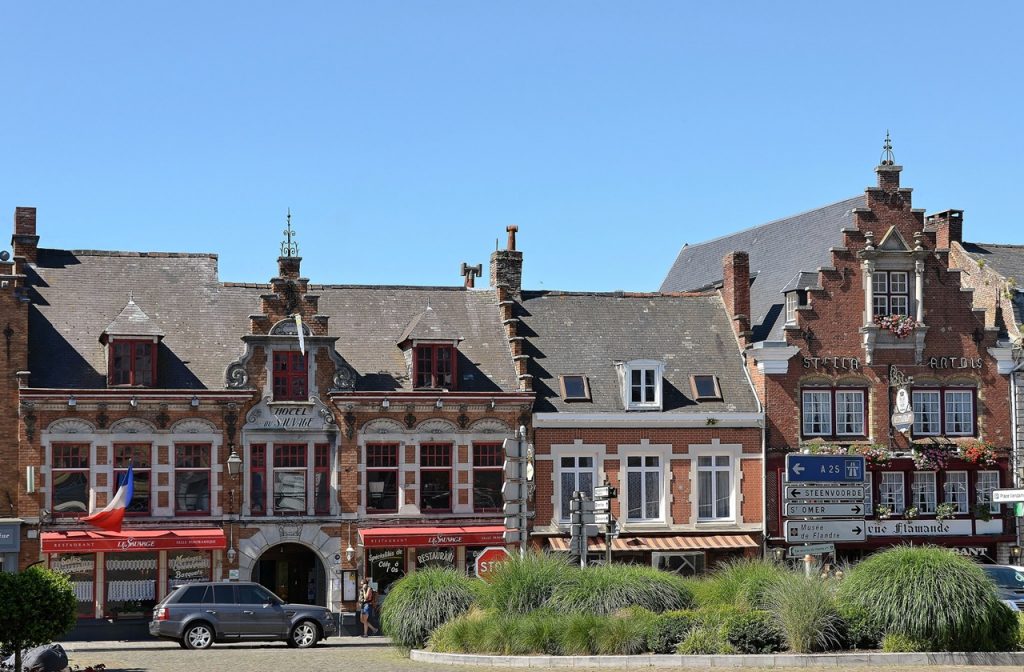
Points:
(1014, 428)
(764, 456)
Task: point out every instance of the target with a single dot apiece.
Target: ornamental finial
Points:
(887, 156)
(289, 248)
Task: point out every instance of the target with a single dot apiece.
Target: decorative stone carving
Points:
(70, 426)
(436, 426)
(490, 426)
(307, 417)
(289, 530)
(286, 327)
(101, 417)
(463, 419)
(382, 426)
(344, 379)
(132, 426)
(350, 424)
(410, 416)
(194, 426)
(236, 377)
(162, 418)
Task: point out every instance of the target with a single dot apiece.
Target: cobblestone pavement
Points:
(341, 654)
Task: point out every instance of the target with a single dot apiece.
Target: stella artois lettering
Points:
(955, 362)
(841, 363)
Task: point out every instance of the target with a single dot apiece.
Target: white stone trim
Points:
(668, 420)
(575, 449)
(646, 448)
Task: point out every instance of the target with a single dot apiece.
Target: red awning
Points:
(708, 542)
(134, 540)
(398, 537)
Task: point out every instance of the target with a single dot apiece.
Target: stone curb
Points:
(762, 661)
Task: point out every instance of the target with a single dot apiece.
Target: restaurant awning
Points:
(92, 541)
(398, 537)
(711, 542)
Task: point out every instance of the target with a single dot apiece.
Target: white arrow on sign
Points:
(798, 468)
(826, 493)
(1007, 496)
(809, 510)
(807, 531)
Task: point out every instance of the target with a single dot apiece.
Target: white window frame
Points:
(918, 424)
(863, 411)
(792, 303)
(947, 396)
(984, 493)
(655, 369)
(807, 419)
(715, 469)
(961, 498)
(898, 504)
(644, 451)
(923, 492)
(576, 451)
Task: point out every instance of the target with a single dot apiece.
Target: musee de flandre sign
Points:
(825, 493)
(802, 468)
(816, 510)
(803, 531)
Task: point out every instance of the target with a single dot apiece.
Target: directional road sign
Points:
(602, 505)
(810, 549)
(825, 493)
(806, 510)
(602, 518)
(604, 491)
(802, 468)
(1007, 496)
(806, 531)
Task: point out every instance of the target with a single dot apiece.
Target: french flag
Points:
(110, 516)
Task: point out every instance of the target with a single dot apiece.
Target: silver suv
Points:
(198, 614)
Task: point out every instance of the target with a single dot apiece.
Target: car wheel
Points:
(198, 636)
(303, 635)
(181, 643)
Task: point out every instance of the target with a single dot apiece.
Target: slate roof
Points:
(778, 251)
(586, 333)
(1008, 261)
(133, 321)
(429, 326)
(76, 294)
(802, 280)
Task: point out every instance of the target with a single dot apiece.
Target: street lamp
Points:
(778, 553)
(1015, 553)
(234, 468)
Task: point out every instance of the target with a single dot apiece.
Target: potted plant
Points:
(945, 511)
(982, 512)
(883, 512)
(875, 455)
(900, 325)
(979, 453)
(911, 512)
(930, 457)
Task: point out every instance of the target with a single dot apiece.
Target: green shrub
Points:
(578, 634)
(422, 601)
(453, 636)
(895, 642)
(929, 594)
(1004, 633)
(755, 632)
(537, 632)
(522, 584)
(859, 630)
(705, 641)
(624, 634)
(806, 612)
(668, 629)
(741, 583)
(606, 589)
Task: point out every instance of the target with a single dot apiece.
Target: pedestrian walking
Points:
(367, 597)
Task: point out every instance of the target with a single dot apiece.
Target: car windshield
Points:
(1006, 577)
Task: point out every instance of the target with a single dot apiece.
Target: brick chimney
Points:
(288, 267)
(507, 264)
(25, 241)
(948, 226)
(736, 292)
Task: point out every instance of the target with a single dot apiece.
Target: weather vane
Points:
(289, 248)
(887, 156)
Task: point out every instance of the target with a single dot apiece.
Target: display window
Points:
(80, 569)
(188, 567)
(436, 556)
(130, 584)
(386, 565)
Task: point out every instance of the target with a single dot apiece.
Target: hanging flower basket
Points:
(901, 325)
(824, 449)
(979, 453)
(931, 457)
(945, 510)
(875, 455)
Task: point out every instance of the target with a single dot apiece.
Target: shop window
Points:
(132, 363)
(575, 474)
(438, 556)
(685, 564)
(987, 482)
(192, 478)
(714, 487)
(69, 492)
(943, 411)
(188, 567)
(891, 493)
(434, 366)
(322, 478)
(891, 291)
(386, 565)
(488, 477)
(290, 478)
(130, 584)
(80, 568)
(643, 487)
(435, 477)
(290, 376)
(139, 456)
(954, 490)
(923, 492)
(833, 412)
(381, 477)
(258, 479)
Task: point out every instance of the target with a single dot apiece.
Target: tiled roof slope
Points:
(1007, 261)
(586, 333)
(76, 294)
(778, 251)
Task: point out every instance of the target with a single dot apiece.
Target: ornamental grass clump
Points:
(805, 609)
(741, 583)
(522, 584)
(420, 602)
(928, 594)
(606, 589)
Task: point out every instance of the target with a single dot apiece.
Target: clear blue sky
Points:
(405, 136)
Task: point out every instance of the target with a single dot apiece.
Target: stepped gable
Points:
(779, 250)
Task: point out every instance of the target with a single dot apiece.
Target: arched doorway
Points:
(294, 573)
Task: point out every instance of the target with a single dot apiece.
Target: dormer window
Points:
(641, 383)
(290, 376)
(132, 340)
(434, 366)
(794, 299)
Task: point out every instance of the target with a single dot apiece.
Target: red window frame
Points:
(942, 409)
(487, 458)
(382, 458)
(69, 458)
(888, 294)
(431, 369)
(130, 375)
(291, 376)
(258, 467)
(322, 478)
(141, 456)
(291, 457)
(834, 412)
(186, 456)
(436, 458)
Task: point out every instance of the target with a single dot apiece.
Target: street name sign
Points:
(805, 531)
(801, 468)
(825, 493)
(602, 518)
(809, 510)
(1007, 496)
(602, 505)
(602, 491)
(810, 549)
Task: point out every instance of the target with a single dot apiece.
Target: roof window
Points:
(705, 387)
(574, 387)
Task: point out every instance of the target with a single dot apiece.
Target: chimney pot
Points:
(511, 228)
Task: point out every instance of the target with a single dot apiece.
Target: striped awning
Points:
(708, 542)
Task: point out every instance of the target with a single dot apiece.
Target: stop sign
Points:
(488, 559)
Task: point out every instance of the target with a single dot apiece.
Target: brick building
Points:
(375, 452)
(648, 393)
(817, 294)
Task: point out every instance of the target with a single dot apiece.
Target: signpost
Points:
(845, 492)
(802, 468)
(810, 549)
(809, 510)
(804, 531)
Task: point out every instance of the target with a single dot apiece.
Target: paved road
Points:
(341, 654)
